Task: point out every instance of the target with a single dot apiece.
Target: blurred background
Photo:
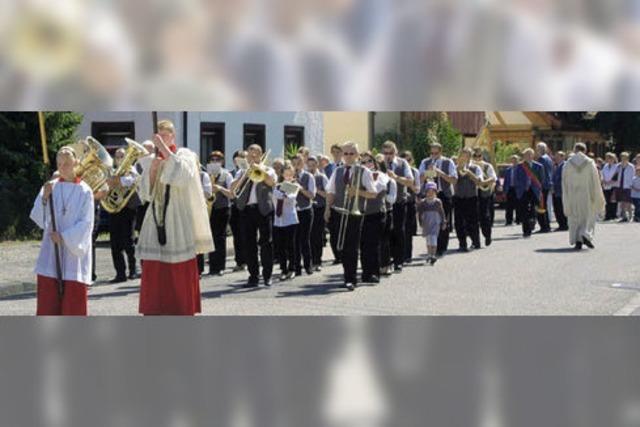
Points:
(320, 55)
(282, 372)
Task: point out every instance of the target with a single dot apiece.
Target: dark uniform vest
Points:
(319, 201)
(400, 169)
(340, 184)
(443, 185)
(263, 196)
(466, 188)
(302, 201)
(221, 201)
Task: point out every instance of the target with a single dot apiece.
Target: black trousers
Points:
(466, 218)
(385, 242)
(543, 218)
(485, 214)
(443, 236)
(317, 235)
(254, 223)
(351, 247)
(303, 240)
(121, 237)
(94, 237)
(611, 208)
(218, 221)
(285, 239)
(527, 208)
(398, 234)
(370, 244)
(511, 207)
(558, 209)
(141, 211)
(411, 228)
(238, 239)
(334, 222)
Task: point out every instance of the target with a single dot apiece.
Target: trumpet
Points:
(256, 173)
(349, 209)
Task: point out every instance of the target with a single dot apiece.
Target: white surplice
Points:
(187, 222)
(75, 225)
(582, 196)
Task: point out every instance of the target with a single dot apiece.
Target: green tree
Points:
(419, 134)
(22, 171)
(503, 151)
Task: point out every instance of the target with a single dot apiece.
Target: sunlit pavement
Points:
(538, 276)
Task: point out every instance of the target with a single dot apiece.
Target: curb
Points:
(16, 289)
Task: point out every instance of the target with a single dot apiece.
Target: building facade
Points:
(204, 132)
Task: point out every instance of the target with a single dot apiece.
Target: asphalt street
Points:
(538, 276)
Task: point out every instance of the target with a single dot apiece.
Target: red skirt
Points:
(73, 302)
(170, 289)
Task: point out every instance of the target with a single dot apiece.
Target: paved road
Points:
(539, 276)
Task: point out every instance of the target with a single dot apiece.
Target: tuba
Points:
(94, 164)
(118, 197)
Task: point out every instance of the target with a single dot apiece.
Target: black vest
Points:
(302, 201)
(221, 201)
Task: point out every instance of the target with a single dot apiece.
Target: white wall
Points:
(274, 127)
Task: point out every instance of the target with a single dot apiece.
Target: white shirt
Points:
(408, 173)
(635, 187)
(629, 172)
(393, 192)
(289, 213)
(608, 171)
(75, 226)
(206, 184)
(366, 180)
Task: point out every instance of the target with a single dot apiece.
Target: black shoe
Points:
(433, 260)
(475, 247)
(241, 267)
(283, 277)
(487, 241)
(309, 271)
(624, 220)
(118, 279)
(134, 275)
(463, 249)
(94, 278)
(507, 224)
(526, 235)
(439, 253)
(299, 272)
(588, 242)
(560, 229)
(374, 279)
(543, 231)
(252, 282)
(397, 269)
(268, 282)
(578, 246)
(350, 286)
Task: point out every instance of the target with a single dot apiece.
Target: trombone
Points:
(256, 173)
(347, 209)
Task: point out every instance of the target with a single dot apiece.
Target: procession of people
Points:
(366, 206)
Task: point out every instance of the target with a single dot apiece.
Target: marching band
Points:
(370, 204)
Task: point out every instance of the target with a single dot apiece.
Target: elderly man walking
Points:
(582, 195)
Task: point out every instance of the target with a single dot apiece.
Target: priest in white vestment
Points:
(582, 196)
(74, 215)
(175, 229)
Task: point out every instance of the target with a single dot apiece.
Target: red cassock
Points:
(73, 302)
(170, 288)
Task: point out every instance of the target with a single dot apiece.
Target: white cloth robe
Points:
(187, 222)
(582, 196)
(75, 227)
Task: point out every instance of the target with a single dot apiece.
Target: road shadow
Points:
(557, 250)
(19, 297)
(318, 289)
(237, 288)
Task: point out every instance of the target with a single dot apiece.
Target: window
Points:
(254, 134)
(112, 134)
(294, 135)
(212, 137)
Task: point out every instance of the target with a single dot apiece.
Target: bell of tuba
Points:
(94, 164)
(118, 197)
